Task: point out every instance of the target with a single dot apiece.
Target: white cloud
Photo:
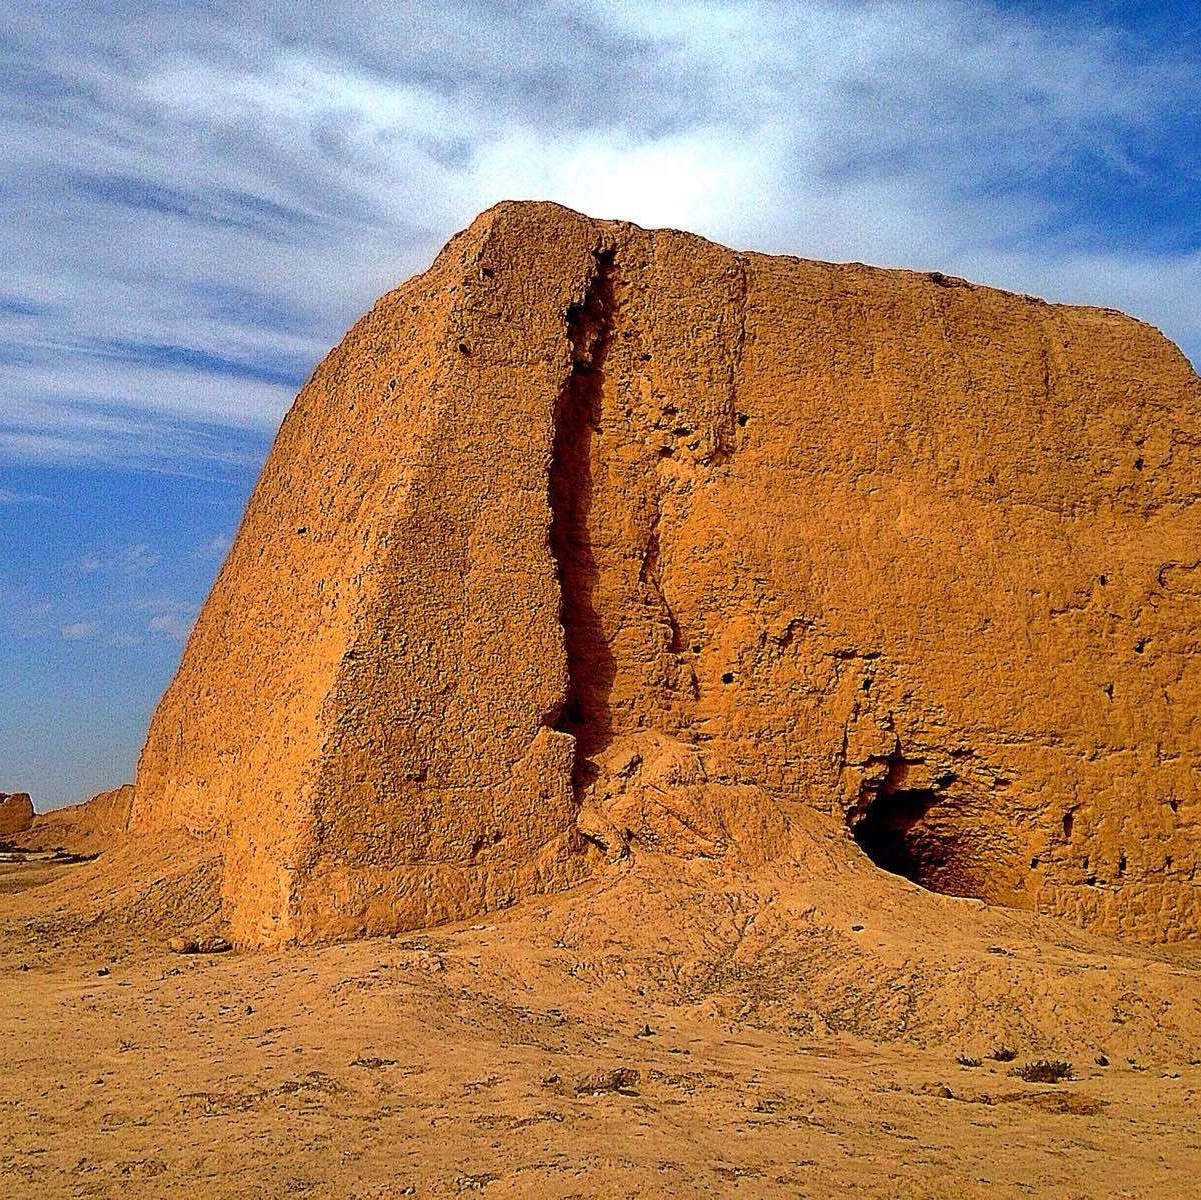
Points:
(169, 618)
(80, 630)
(225, 194)
(215, 547)
(131, 561)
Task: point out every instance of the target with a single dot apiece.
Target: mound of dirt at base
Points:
(141, 891)
(820, 941)
(80, 829)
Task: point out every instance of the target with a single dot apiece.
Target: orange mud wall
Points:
(922, 555)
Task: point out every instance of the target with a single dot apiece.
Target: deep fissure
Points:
(590, 666)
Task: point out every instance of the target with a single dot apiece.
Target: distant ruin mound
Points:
(592, 539)
(16, 813)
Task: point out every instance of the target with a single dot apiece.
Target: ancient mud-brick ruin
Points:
(16, 813)
(920, 555)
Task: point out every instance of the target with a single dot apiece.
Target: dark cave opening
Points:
(890, 832)
(920, 833)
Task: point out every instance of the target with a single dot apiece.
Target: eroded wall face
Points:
(918, 554)
(368, 687)
(444, 781)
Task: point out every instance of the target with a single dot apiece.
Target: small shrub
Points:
(1043, 1071)
(964, 1061)
(1004, 1054)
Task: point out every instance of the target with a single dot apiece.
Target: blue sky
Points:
(196, 199)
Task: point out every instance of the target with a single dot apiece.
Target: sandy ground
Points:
(452, 1062)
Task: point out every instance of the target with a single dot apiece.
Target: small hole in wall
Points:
(1068, 822)
(1103, 580)
(1121, 866)
(743, 419)
(728, 677)
(666, 451)
(696, 649)
(867, 683)
(301, 530)
(1138, 464)
(1140, 645)
(464, 348)
(1108, 689)
(1034, 862)
(486, 272)
(1091, 881)
(1174, 804)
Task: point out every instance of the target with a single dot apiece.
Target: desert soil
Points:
(453, 1062)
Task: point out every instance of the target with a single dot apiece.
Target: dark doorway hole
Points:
(890, 833)
(912, 832)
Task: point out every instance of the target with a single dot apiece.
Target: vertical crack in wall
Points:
(590, 665)
(648, 574)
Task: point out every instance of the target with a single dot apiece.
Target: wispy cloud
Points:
(195, 210)
(169, 618)
(131, 561)
(80, 630)
(215, 547)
